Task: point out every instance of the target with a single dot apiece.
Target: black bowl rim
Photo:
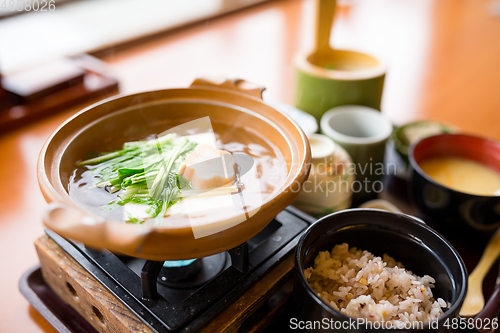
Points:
(406, 217)
(416, 167)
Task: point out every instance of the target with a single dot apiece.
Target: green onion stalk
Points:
(145, 172)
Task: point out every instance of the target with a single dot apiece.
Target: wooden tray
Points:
(85, 88)
(59, 314)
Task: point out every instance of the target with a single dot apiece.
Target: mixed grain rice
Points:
(361, 285)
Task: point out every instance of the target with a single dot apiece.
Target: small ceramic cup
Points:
(363, 133)
(328, 187)
(340, 77)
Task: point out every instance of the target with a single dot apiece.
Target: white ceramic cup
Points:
(363, 133)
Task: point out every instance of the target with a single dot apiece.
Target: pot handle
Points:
(490, 310)
(94, 231)
(239, 85)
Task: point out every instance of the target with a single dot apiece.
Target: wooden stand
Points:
(252, 312)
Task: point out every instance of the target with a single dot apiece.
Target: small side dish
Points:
(362, 285)
(329, 185)
(409, 133)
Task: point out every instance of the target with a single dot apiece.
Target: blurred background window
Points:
(70, 27)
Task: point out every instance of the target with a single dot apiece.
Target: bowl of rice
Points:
(364, 269)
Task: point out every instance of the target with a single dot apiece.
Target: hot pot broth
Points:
(270, 172)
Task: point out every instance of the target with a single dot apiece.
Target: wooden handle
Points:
(490, 255)
(474, 300)
(239, 85)
(325, 10)
(491, 310)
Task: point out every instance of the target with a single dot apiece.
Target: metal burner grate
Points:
(167, 309)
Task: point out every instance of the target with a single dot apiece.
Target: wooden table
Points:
(443, 58)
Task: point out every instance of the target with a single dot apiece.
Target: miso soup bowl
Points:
(237, 114)
(407, 239)
(451, 212)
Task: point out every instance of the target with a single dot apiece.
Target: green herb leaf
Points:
(139, 164)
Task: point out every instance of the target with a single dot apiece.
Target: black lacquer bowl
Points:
(410, 241)
(453, 213)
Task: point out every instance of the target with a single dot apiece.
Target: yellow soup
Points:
(463, 175)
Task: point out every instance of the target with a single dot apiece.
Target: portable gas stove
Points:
(224, 292)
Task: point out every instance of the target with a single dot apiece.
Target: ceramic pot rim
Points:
(53, 194)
